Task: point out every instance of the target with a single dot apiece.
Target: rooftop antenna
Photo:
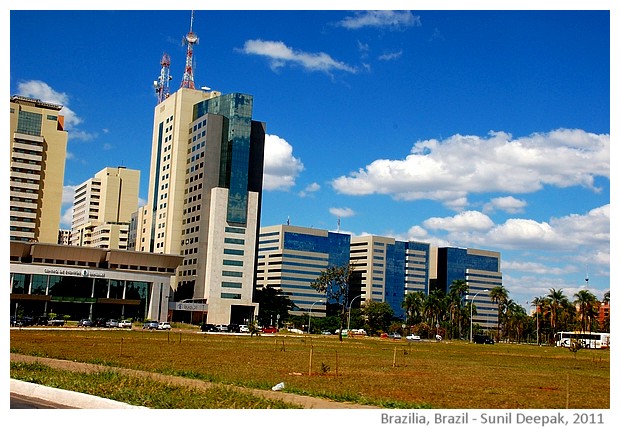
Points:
(162, 89)
(190, 40)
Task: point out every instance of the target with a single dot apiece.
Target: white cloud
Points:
(391, 56)
(281, 55)
(66, 218)
(281, 168)
(381, 18)
(310, 189)
(465, 221)
(44, 92)
(342, 211)
(68, 191)
(507, 204)
(497, 163)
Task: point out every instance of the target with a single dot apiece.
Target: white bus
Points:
(589, 340)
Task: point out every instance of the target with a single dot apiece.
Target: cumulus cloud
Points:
(436, 170)
(68, 191)
(342, 211)
(44, 92)
(280, 55)
(507, 204)
(465, 221)
(390, 19)
(281, 168)
(310, 189)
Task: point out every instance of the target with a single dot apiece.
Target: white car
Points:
(125, 324)
(163, 326)
(244, 328)
(413, 337)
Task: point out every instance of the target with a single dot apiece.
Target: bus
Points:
(588, 340)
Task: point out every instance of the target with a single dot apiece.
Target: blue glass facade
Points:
(395, 258)
(453, 263)
(236, 163)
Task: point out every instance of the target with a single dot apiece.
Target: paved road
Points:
(21, 402)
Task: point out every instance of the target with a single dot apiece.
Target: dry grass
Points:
(382, 372)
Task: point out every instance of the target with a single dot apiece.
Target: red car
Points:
(269, 330)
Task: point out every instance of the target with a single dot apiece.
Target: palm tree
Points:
(557, 301)
(458, 289)
(413, 304)
(541, 304)
(434, 306)
(499, 295)
(586, 301)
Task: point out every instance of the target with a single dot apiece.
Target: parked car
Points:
(295, 331)
(326, 333)
(412, 337)
(126, 323)
(163, 326)
(112, 323)
(269, 330)
(16, 322)
(233, 327)
(395, 336)
(150, 324)
(42, 320)
(56, 322)
(85, 323)
(483, 339)
(99, 322)
(209, 327)
(244, 329)
(222, 328)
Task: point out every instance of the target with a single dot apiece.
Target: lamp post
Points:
(310, 315)
(471, 315)
(537, 328)
(349, 317)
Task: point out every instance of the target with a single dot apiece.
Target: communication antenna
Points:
(190, 40)
(162, 88)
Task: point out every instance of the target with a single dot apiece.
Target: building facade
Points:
(102, 209)
(480, 269)
(290, 258)
(385, 270)
(204, 203)
(38, 144)
(85, 282)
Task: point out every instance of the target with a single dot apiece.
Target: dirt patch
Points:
(300, 400)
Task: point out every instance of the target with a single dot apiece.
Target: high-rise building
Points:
(102, 208)
(290, 258)
(386, 269)
(204, 198)
(480, 269)
(38, 151)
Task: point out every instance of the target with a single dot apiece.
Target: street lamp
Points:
(310, 315)
(471, 315)
(349, 318)
(537, 326)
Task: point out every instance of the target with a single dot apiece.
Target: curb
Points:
(66, 397)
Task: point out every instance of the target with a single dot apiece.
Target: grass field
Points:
(388, 373)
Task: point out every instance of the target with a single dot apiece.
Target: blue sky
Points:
(484, 129)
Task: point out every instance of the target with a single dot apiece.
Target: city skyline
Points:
(479, 129)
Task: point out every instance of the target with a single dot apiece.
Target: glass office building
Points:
(290, 258)
(480, 269)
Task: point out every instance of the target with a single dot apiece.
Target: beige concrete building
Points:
(38, 145)
(204, 200)
(102, 209)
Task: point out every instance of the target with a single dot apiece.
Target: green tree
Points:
(499, 295)
(378, 316)
(587, 302)
(272, 302)
(458, 289)
(434, 307)
(334, 282)
(413, 305)
(557, 301)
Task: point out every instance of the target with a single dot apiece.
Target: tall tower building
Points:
(38, 144)
(385, 270)
(204, 198)
(102, 209)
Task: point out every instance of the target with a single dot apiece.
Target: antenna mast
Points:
(162, 89)
(190, 40)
